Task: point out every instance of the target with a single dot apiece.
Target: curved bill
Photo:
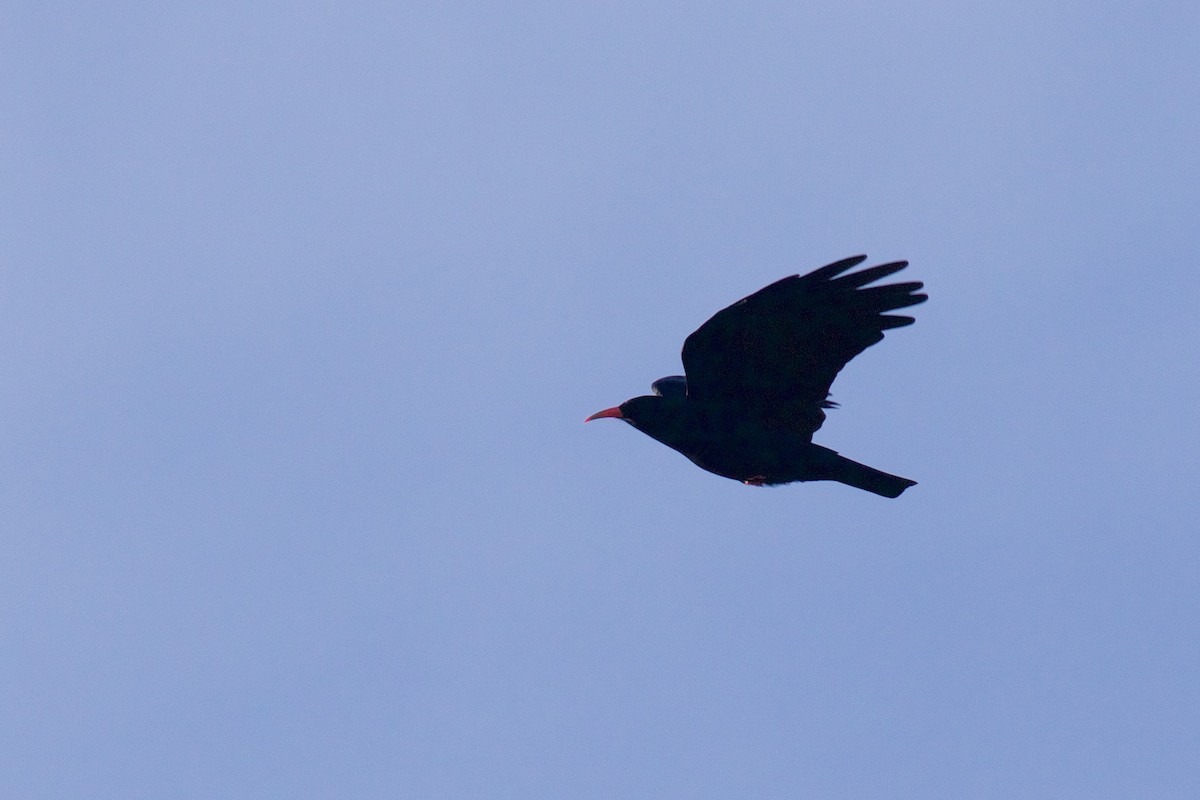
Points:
(608, 412)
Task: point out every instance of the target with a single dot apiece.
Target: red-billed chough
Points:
(758, 378)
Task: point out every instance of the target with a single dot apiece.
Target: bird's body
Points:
(758, 377)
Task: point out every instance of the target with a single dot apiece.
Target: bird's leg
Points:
(757, 480)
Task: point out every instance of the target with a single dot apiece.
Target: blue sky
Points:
(304, 305)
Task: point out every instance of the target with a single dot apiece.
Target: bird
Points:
(758, 374)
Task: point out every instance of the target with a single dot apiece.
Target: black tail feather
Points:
(860, 476)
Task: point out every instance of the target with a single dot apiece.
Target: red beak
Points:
(608, 412)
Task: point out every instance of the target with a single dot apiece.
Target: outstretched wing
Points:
(773, 355)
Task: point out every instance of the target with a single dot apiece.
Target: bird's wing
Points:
(773, 355)
(670, 386)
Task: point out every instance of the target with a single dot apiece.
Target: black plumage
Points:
(758, 378)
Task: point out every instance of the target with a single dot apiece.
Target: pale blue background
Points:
(303, 305)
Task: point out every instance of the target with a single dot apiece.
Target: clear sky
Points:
(302, 306)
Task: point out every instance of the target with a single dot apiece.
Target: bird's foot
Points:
(757, 480)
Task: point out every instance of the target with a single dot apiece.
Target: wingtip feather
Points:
(830, 270)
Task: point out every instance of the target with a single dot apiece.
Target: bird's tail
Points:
(860, 476)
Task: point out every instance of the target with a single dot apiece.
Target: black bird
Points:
(758, 378)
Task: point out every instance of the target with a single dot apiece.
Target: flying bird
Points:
(758, 376)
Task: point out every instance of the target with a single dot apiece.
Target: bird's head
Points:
(652, 415)
(666, 404)
(629, 411)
